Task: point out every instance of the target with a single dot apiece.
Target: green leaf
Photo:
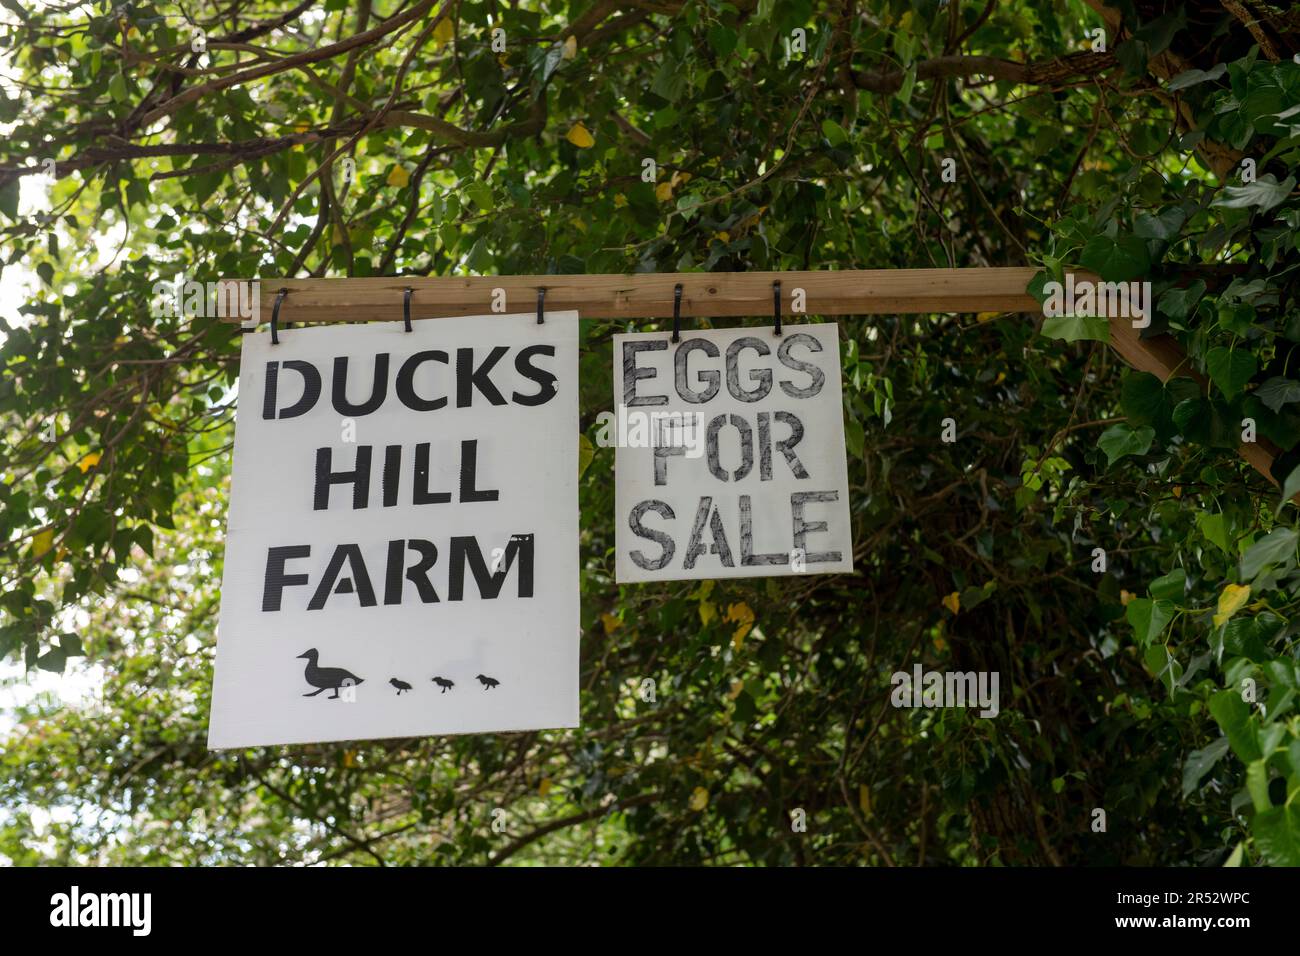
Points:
(1230, 369)
(1076, 328)
(834, 133)
(1291, 486)
(1192, 77)
(1276, 547)
(1171, 586)
(1277, 834)
(9, 198)
(1117, 260)
(1265, 192)
(1181, 303)
(1149, 618)
(1123, 439)
(1201, 762)
(1215, 529)
(1142, 397)
(52, 660)
(1232, 714)
(481, 193)
(117, 88)
(1278, 391)
(586, 452)
(1163, 225)
(1257, 784)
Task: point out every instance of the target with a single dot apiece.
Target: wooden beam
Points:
(716, 295)
(650, 295)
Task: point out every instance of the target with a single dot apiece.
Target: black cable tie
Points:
(541, 303)
(677, 313)
(275, 316)
(776, 304)
(406, 308)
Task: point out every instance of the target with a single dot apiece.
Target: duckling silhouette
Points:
(401, 685)
(488, 682)
(326, 678)
(445, 684)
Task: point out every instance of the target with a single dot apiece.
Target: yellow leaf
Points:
(579, 137)
(544, 787)
(349, 758)
(1125, 597)
(1002, 377)
(444, 31)
(864, 798)
(986, 316)
(699, 799)
(301, 126)
(681, 178)
(611, 623)
(571, 48)
(582, 226)
(742, 615)
(664, 191)
(619, 200)
(398, 176)
(42, 542)
(1232, 599)
(723, 236)
(88, 461)
(707, 612)
(736, 688)
(953, 602)
(1178, 491)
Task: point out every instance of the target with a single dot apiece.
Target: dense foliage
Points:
(1161, 690)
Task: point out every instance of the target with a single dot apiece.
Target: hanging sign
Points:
(730, 455)
(402, 550)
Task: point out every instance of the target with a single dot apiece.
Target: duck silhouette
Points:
(326, 678)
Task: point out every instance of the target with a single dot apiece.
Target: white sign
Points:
(402, 552)
(730, 455)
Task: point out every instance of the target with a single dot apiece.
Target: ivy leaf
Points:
(1163, 225)
(1232, 715)
(1201, 762)
(1278, 391)
(1215, 529)
(1117, 260)
(1192, 77)
(1276, 547)
(1170, 587)
(1123, 439)
(1230, 369)
(1277, 833)
(1265, 192)
(1231, 600)
(1180, 303)
(1077, 328)
(1148, 618)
